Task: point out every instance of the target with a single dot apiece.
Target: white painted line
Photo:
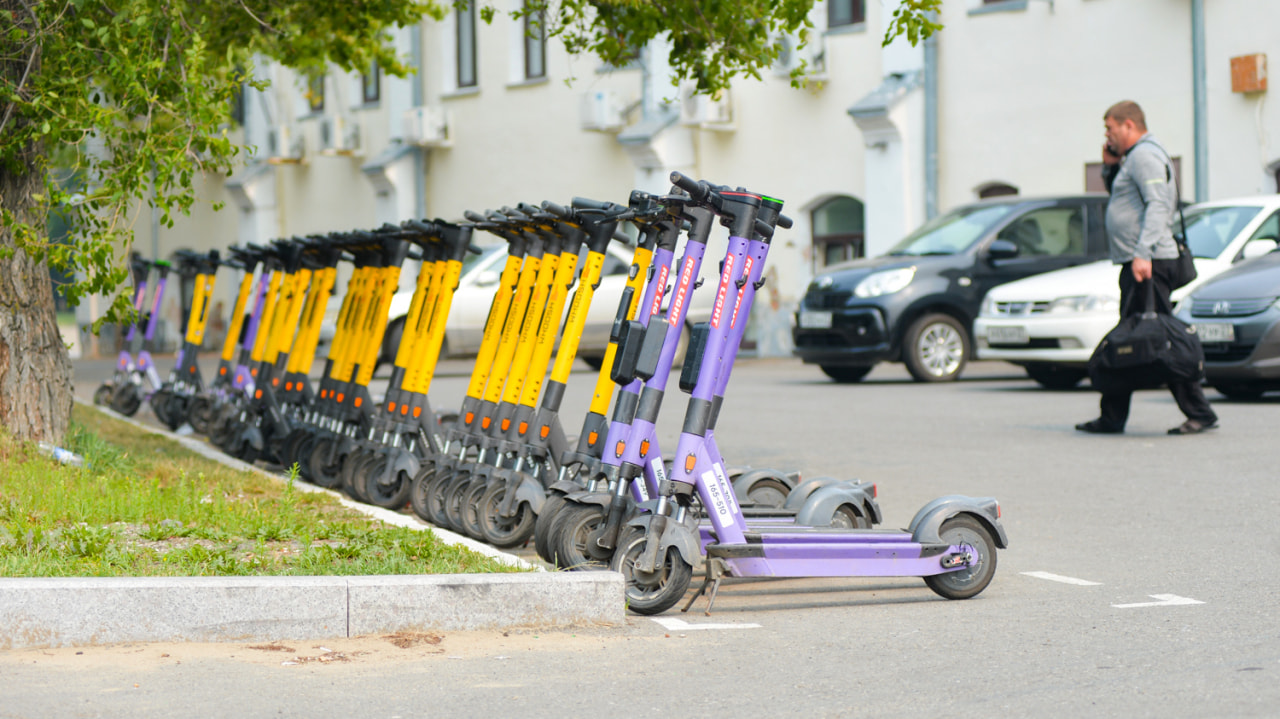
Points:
(1062, 579)
(1166, 600)
(679, 625)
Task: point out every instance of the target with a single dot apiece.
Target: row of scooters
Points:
(503, 469)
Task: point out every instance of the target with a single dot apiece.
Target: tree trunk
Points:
(35, 370)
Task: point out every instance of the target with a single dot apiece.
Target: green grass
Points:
(145, 506)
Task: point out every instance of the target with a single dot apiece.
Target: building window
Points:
(837, 231)
(845, 12)
(535, 44)
(996, 189)
(466, 46)
(315, 93)
(371, 84)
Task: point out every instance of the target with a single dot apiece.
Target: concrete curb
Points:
(78, 611)
(72, 611)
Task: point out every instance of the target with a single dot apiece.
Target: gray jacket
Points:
(1143, 204)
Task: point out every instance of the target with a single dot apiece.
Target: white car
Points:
(1051, 323)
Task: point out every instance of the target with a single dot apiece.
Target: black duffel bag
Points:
(1147, 351)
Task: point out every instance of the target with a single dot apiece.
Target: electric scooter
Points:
(951, 542)
(124, 392)
(171, 402)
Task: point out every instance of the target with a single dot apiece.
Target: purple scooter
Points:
(124, 392)
(951, 542)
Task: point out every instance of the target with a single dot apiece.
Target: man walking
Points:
(1140, 213)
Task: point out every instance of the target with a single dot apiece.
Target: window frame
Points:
(460, 48)
(371, 78)
(534, 45)
(857, 13)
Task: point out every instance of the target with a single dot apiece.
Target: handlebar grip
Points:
(473, 216)
(583, 203)
(764, 229)
(555, 209)
(474, 250)
(420, 226)
(697, 190)
(785, 222)
(621, 237)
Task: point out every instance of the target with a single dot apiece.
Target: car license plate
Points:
(1216, 331)
(810, 319)
(1007, 335)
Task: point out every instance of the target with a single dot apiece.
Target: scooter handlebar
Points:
(697, 189)
(425, 228)
(556, 210)
(784, 222)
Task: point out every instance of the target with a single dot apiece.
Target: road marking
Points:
(1166, 600)
(679, 625)
(1062, 579)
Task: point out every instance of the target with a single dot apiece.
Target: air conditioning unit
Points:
(285, 145)
(708, 112)
(811, 60)
(602, 111)
(427, 126)
(339, 136)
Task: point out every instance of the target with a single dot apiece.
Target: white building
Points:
(1007, 98)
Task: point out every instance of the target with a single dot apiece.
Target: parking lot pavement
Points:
(1139, 580)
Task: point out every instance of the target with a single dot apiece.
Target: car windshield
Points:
(1211, 229)
(953, 232)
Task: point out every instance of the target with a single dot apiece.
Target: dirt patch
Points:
(406, 640)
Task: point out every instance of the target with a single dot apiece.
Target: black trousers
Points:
(1133, 301)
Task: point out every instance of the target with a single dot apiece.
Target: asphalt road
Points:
(1140, 581)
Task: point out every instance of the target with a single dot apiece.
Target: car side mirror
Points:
(1258, 247)
(486, 278)
(1002, 250)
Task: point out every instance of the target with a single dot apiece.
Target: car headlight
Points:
(884, 283)
(988, 308)
(1086, 303)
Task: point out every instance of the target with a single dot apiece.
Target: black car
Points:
(916, 304)
(1237, 315)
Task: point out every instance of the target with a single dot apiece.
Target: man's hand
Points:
(1109, 157)
(1141, 269)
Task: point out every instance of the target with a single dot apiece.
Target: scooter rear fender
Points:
(928, 521)
(822, 504)
(800, 493)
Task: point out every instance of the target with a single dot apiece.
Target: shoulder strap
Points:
(1168, 177)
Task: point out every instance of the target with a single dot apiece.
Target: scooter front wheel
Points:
(964, 530)
(504, 532)
(325, 473)
(650, 592)
(127, 399)
(200, 413)
(102, 395)
(470, 510)
(543, 527)
(388, 496)
(573, 538)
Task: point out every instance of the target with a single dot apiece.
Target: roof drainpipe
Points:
(1201, 107)
(931, 127)
(419, 157)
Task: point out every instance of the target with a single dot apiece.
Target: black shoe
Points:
(1097, 426)
(1192, 426)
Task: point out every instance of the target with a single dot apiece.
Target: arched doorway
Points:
(995, 189)
(838, 231)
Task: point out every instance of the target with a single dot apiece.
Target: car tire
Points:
(936, 348)
(1052, 376)
(1238, 391)
(845, 374)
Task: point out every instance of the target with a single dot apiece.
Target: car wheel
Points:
(1238, 391)
(843, 374)
(1052, 376)
(937, 348)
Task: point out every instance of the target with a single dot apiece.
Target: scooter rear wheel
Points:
(418, 491)
(454, 494)
(573, 538)
(434, 492)
(200, 413)
(656, 592)
(354, 476)
(127, 399)
(969, 582)
(102, 395)
(504, 532)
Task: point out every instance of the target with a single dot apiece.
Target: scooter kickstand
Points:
(712, 579)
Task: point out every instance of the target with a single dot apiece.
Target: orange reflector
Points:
(288, 386)
(591, 438)
(257, 395)
(644, 448)
(484, 423)
(404, 409)
(470, 418)
(622, 447)
(340, 397)
(254, 371)
(998, 512)
(524, 427)
(689, 462)
(506, 424)
(275, 381)
(222, 370)
(324, 394)
(545, 431)
(391, 406)
(359, 401)
(417, 412)
(191, 370)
